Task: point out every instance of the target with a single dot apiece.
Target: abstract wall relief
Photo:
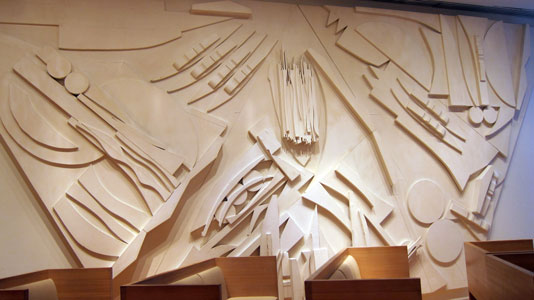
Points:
(258, 128)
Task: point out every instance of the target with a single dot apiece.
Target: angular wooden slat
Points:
(352, 42)
(389, 38)
(459, 96)
(85, 233)
(78, 194)
(90, 181)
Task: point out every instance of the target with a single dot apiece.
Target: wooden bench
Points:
(500, 269)
(384, 274)
(217, 278)
(62, 284)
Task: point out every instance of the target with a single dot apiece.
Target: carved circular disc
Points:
(490, 115)
(76, 83)
(475, 115)
(59, 67)
(444, 241)
(426, 201)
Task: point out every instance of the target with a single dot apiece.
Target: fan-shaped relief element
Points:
(81, 156)
(34, 124)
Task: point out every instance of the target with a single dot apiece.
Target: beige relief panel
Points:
(157, 134)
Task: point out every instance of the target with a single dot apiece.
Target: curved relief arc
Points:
(83, 156)
(35, 125)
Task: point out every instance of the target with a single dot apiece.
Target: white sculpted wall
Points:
(155, 134)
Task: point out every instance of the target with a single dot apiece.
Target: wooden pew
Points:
(243, 277)
(384, 275)
(69, 283)
(500, 269)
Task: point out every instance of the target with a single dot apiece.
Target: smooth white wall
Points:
(514, 216)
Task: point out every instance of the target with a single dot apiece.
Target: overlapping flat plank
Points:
(475, 29)
(333, 17)
(440, 87)
(290, 236)
(222, 8)
(166, 159)
(459, 96)
(99, 97)
(104, 30)
(339, 85)
(168, 208)
(318, 195)
(297, 284)
(34, 124)
(498, 67)
(139, 156)
(37, 77)
(476, 154)
(116, 152)
(129, 255)
(469, 63)
(384, 235)
(58, 67)
(73, 37)
(78, 194)
(135, 95)
(162, 178)
(352, 42)
(381, 208)
(85, 233)
(429, 20)
(360, 231)
(270, 224)
(389, 38)
(90, 181)
(479, 187)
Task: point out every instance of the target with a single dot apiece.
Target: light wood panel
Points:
(497, 269)
(384, 274)
(389, 38)
(72, 284)
(429, 20)
(153, 291)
